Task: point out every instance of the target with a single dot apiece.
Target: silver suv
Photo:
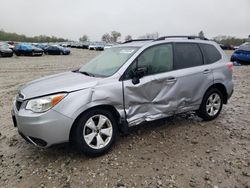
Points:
(142, 80)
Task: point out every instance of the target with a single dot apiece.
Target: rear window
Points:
(187, 55)
(211, 54)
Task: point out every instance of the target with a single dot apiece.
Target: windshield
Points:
(108, 62)
(4, 46)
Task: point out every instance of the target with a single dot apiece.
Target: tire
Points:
(61, 53)
(17, 54)
(211, 105)
(90, 139)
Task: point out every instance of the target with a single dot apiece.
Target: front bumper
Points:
(42, 129)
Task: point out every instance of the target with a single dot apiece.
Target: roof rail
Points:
(137, 40)
(188, 37)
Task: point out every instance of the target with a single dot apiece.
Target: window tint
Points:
(187, 55)
(211, 54)
(157, 59)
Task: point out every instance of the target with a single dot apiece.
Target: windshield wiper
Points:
(87, 73)
(84, 72)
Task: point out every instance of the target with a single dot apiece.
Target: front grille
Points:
(18, 105)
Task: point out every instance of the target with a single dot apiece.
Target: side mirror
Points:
(137, 74)
(135, 80)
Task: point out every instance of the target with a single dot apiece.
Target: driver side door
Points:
(150, 95)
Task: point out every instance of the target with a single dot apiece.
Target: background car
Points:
(56, 50)
(85, 45)
(42, 46)
(227, 47)
(27, 49)
(242, 54)
(107, 46)
(5, 51)
(98, 46)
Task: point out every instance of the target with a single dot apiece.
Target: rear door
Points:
(192, 75)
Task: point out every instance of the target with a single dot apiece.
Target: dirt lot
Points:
(180, 151)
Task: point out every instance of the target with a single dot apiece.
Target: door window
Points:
(157, 59)
(211, 54)
(187, 55)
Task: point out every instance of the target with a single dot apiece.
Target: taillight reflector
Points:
(230, 66)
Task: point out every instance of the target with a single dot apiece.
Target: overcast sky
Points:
(73, 18)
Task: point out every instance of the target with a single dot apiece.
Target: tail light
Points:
(230, 66)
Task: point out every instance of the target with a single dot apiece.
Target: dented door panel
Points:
(151, 99)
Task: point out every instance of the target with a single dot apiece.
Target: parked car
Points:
(42, 46)
(107, 46)
(92, 46)
(227, 47)
(85, 45)
(5, 51)
(27, 49)
(122, 87)
(242, 54)
(98, 46)
(56, 50)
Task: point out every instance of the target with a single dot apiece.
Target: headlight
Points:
(43, 104)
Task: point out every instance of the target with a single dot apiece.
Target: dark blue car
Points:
(27, 49)
(56, 50)
(242, 54)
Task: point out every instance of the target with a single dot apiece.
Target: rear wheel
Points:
(211, 105)
(96, 132)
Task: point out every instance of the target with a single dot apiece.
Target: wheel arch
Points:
(109, 108)
(222, 89)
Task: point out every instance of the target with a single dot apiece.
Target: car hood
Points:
(64, 82)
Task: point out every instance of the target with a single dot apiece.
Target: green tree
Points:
(115, 35)
(6, 36)
(84, 38)
(201, 34)
(128, 38)
(150, 36)
(106, 38)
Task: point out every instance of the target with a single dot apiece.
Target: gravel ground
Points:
(181, 151)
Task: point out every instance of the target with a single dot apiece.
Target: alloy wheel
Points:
(98, 131)
(213, 104)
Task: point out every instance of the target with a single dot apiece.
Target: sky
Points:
(73, 18)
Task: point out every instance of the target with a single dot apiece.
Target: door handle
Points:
(171, 79)
(206, 71)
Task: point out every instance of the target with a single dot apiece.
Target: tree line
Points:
(112, 37)
(6, 36)
(227, 40)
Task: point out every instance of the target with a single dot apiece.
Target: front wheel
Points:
(211, 105)
(96, 132)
